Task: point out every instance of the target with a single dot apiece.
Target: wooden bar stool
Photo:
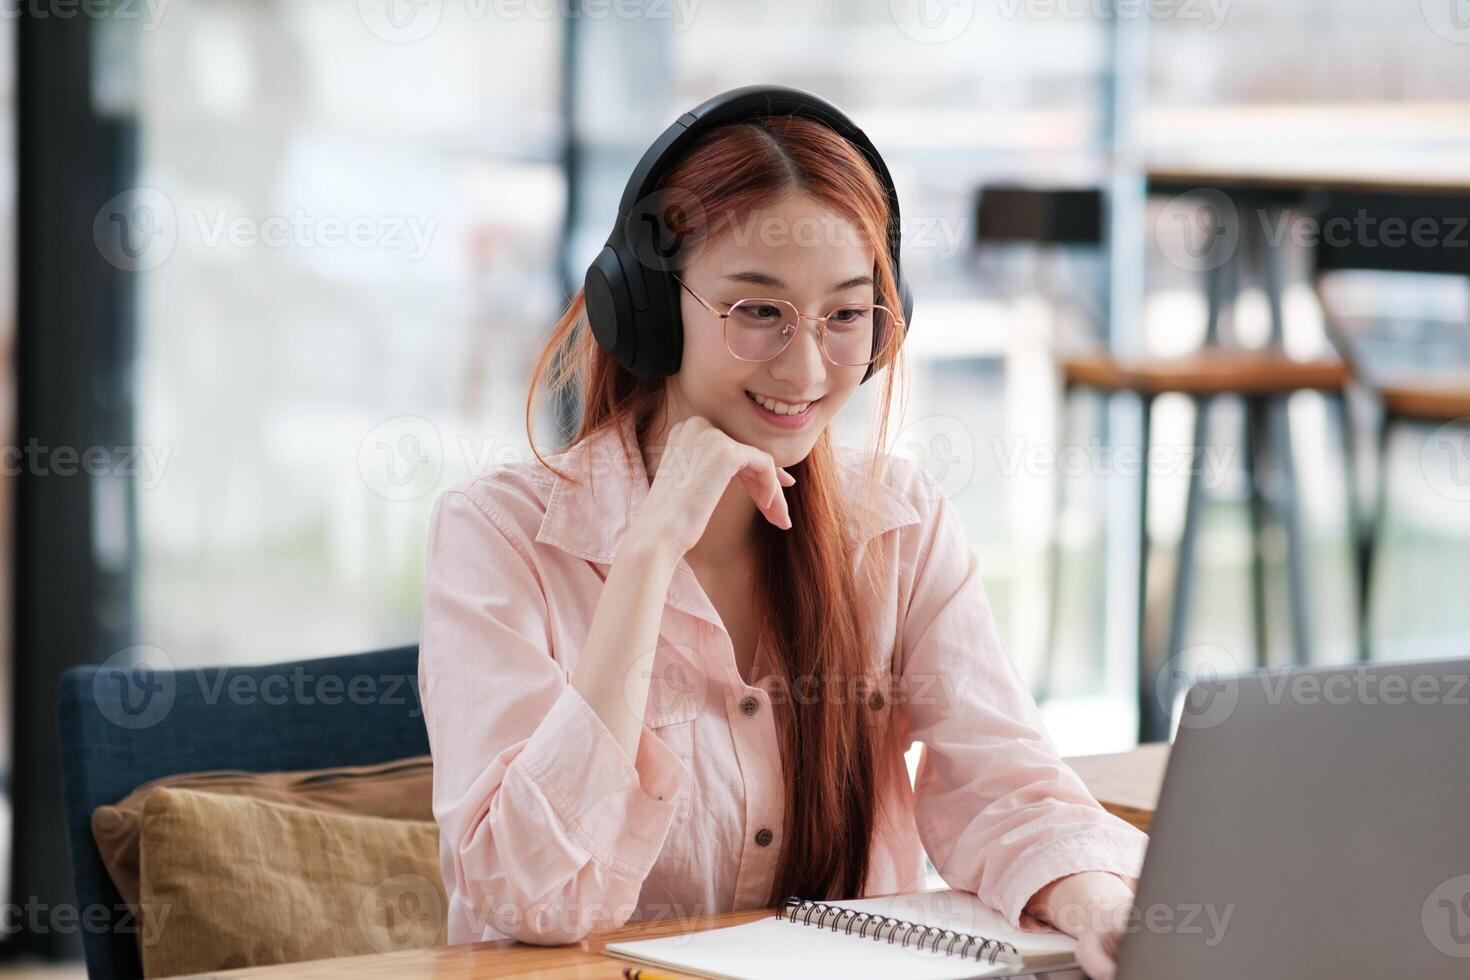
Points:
(1413, 399)
(1262, 380)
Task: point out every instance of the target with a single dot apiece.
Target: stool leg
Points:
(1254, 431)
(1153, 720)
(1356, 532)
(1373, 542)
(1296, 555)
(1054, 553)
(1184, 568)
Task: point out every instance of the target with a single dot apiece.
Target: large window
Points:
(359, 222)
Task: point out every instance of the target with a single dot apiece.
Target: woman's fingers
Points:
(758, 472)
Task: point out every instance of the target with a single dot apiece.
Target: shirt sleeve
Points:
(547, 829)
(999, 812)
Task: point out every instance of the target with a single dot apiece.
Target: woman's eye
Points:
(849, 315)
(760, 311)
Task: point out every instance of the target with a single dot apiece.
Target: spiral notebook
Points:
(932, 935)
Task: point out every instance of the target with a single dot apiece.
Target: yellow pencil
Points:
(638, 973)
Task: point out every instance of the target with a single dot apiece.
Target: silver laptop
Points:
(1313, 823)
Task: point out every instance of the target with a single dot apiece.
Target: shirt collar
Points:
(588, 518)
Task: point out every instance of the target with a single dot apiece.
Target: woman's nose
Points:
(802, 363)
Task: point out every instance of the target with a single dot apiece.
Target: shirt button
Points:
(763, 837)
(750, 706)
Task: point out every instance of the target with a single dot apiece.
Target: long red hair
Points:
(809, 583)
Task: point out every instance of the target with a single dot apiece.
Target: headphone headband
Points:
(633, 303)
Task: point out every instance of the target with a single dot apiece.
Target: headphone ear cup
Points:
(610, 308)
(663, 328)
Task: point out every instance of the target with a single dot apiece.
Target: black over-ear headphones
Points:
(631, 295)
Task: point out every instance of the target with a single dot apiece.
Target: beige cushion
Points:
(231, 881)
(401, 789)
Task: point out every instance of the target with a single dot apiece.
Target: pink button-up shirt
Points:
(548, 831)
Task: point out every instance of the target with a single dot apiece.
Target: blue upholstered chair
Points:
(121, 727)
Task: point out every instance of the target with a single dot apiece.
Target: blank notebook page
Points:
(780, 948)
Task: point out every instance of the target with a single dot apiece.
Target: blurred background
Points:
(273, 275)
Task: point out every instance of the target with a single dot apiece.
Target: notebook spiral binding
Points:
(847, 920)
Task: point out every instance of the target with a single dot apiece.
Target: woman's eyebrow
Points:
(764, 279)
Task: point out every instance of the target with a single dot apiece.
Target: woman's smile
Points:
(786, 415)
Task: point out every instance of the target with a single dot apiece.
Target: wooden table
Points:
(1127, 783)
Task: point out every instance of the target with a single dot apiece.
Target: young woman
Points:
(674, 668)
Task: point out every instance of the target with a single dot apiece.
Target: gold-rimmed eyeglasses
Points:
(759, 328)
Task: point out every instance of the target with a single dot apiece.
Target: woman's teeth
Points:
(780, 408)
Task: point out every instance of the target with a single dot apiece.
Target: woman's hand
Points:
(1094, 906)
(696, 466)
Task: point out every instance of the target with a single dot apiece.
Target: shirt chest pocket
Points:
(670, 714)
